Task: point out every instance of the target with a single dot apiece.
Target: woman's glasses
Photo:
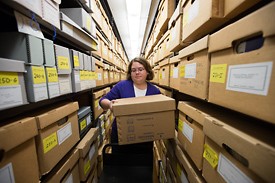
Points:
(139, 69)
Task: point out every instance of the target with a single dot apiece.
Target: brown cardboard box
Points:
(219, 166)
(58, 132)
(186, 170)
(190, 131)
(96, 97)
(143, 119)
(164, 74)
(18, 158)
(248, 140)
(88, 152)
(194, 69)
(174, 81)
(241, 81)
(99, 72)
(66, 170)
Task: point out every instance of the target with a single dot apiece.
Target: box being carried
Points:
(143, 119)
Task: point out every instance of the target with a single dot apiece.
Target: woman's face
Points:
(138, 73)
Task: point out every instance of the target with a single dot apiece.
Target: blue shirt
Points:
(125, 89)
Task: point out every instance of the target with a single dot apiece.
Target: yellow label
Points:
(171, 72)
(94, 75)
(88, 24)
(94, 45)
(38, 75)
(178, 170)
(160, 75)
(49, 142)
(180, 125)
(185, 18)
(63, 62)
(52, 75)
(210, 155)
(217, 73)
(9, 78)
(87, 167)
(83, 124)
(96, 103)
(182, 71)
(76, 61)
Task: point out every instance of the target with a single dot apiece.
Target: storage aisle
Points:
(213, 59)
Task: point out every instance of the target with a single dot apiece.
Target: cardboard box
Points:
(220, 166)
(143, 119)
(164, 72)
(52, 82)
(36, 83)
(23, 47)
(88, 152)
(12, 87)
(48, 50)
(99, 72)
(241, 81)
(254, 152)
(18, 158)
(194, 69)
(50, 12)
(67, 169)
(96, 97)
(174, 78)
(190, 131)
(58, 132)
(63, 59)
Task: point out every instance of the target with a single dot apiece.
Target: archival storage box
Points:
(143, 119)
(19, 160)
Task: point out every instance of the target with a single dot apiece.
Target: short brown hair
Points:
(146, 66)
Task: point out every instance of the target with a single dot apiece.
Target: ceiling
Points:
(133, 20)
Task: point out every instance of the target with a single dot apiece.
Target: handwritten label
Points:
(83, 124)
(218, 73)
(49, 142)
(87, 167)
(182, 71)
(210, 155)
(38, 75)
(52, 75)
(63, 62)
(9, 78)
(76, 61)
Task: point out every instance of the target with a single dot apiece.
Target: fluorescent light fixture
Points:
(131, 19)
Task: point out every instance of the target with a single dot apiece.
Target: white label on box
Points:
(188, 132)
(28, 26)
(190, 70)
(40, 91)
(64, 133)
(99, 76)
(53, 90)
(6, 174)
(69, 179)
(230, 172)
(88, 120)
(163, 75)
(249, 78)
(10, 96)
(92, 152)
(193, 11)
(176, 72)
(77, 78)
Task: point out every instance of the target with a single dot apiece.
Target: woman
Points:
(138, 74)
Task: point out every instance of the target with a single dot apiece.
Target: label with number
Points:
(210, 155)
(52, 75)
(76, 61)
(182, 71)
(218, 73)
(63, 62)
(38, 75)
(9, 78)
(49, 142)
(83, 124)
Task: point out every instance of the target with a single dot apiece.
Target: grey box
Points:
(19, 46)
(52, 82)
(87, 62)
(48, 52)
(36, 83)
(65, 83)
(12, 84)
(76, 81)
(63, 59)
(75, 59)
(84, 119)
(81, 64)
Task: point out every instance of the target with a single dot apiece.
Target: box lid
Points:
(83, 111)
(86, 142)
(244, 27)
(146, 104)
(55, 113)
(195, 47)
(17, 132)
(10, 65)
